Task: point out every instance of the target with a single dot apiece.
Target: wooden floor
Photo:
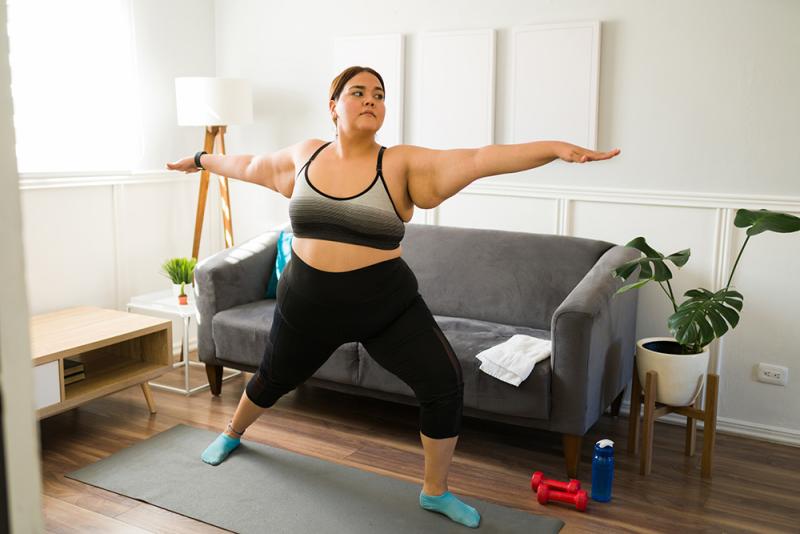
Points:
(755, 487)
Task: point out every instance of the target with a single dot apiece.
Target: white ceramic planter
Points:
(187, 288)
(680, 376)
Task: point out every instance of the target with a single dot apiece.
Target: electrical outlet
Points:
(772, 374)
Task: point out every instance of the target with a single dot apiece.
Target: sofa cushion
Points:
(283, 256)
(241, 336)
(241, 333)
(342, 366)
(468, 337)
(504, 277)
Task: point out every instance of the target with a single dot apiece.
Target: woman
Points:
(346, 280)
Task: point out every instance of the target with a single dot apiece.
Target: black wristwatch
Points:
(197, 159)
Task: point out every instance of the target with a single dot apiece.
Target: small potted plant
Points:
(681, 361)
(181, 272)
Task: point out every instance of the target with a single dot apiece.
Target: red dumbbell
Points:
(570, 487)
(579, 499)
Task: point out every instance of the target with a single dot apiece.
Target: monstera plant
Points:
(704, 316)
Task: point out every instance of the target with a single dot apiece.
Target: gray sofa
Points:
(483, 286)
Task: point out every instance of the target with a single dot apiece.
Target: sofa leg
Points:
(572, 453)
(615, 406)
(214, 373)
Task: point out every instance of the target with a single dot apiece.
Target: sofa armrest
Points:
(229, 278)
(593, 343)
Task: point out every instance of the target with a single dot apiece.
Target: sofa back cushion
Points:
(513, 278)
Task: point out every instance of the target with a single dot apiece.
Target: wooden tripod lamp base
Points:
(653, 410)
(214, 138)
(204, 100)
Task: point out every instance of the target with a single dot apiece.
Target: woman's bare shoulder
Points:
(405, 151)
(313, 142)
(308, 146)
(277, 170)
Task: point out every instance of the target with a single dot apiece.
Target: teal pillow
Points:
(281, 259)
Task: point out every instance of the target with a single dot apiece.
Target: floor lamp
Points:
(215, 104)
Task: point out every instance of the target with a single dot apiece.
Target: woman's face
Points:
(360, 106)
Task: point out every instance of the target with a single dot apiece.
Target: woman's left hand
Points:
(576, 154)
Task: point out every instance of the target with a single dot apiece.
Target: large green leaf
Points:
(640, 283)
(680, 258)
(766, 220)
(702, 317)
(652, 265)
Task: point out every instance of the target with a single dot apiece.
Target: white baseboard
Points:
(772, 434)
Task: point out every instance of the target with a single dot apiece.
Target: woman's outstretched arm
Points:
(228, 165)
(436, 175)
(274, 171)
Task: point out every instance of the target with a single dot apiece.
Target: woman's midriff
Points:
(338, 257)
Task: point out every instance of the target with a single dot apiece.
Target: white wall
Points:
(700, 97)
(175, 38)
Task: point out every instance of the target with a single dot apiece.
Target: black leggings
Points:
(379, 306)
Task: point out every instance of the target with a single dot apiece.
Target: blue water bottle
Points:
(602, 470)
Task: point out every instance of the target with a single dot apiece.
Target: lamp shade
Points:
(203, 101)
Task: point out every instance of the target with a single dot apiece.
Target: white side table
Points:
(166, 302)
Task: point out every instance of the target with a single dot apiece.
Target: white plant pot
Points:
(176, 290)
(680, 376)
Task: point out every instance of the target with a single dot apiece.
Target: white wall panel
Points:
(517, 214)
(157, 228)
(768, 275)
(555, 75)
(422, 216)
(385, 54)
(69, 248)
(254, 209)
(455, 89)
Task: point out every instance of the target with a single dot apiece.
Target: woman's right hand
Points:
(186, 165)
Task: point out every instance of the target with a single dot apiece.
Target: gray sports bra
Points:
(368, 218)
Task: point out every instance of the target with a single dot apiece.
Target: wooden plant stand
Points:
(653, 410)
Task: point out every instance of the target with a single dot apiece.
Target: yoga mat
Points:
(260, 489)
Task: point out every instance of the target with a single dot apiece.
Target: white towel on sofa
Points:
(513, 360)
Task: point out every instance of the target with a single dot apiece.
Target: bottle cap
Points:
(605, 443)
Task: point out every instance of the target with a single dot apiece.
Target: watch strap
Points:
(197, 159)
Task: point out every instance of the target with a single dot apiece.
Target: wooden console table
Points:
(118, 350)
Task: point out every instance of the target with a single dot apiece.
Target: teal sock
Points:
(449, 505)
(219, 449)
